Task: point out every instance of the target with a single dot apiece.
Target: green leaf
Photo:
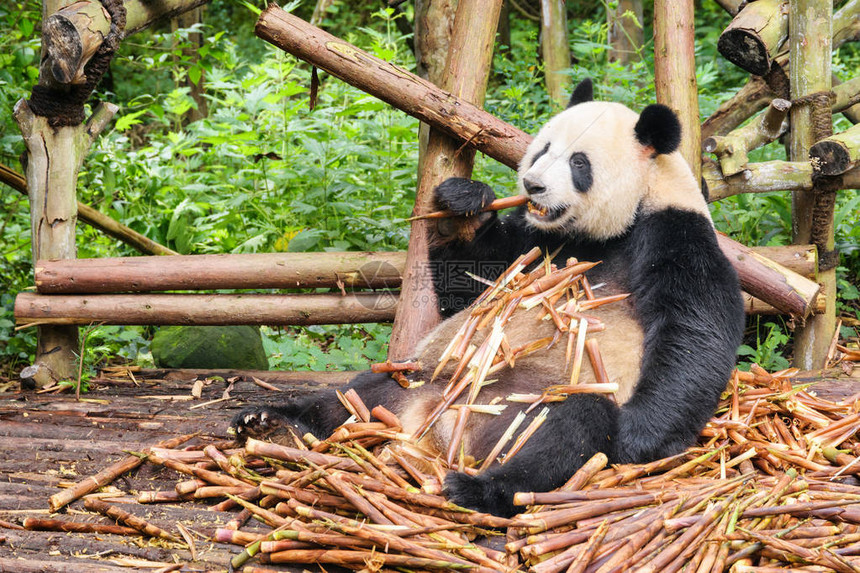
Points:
(128, 120)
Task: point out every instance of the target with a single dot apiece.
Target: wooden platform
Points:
(49, 439)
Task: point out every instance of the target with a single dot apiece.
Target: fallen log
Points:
(205, 309)
(211, 272)
(425, 101)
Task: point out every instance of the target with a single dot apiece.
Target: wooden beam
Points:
(205, 309)
(467, 68)
(396, 86)
(838, 153)
(215, 272)
(755, 35)
(555, 50)
(812, 212)
(675, 73)
(760, 177)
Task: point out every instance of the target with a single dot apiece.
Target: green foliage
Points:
(767, 353)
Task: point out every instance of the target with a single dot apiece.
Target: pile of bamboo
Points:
(759, 493)
(564, 297)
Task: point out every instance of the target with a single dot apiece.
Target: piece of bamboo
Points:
(107, 475)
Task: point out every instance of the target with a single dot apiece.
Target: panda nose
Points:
(533, 187)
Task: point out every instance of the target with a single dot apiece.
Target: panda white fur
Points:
(604, 184)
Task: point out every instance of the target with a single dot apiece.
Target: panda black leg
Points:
(575, 430)
(319, 413)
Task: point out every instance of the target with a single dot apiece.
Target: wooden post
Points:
(675, 73)
(812, 211)
(466, 72)
(54, 158)
(555, 50)
(625, 31)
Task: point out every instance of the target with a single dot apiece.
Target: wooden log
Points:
(789, 292)
(205, 309)
(675, 74)
(95, 219)
(211, 272)
(761, 177)
(755, 35)
(838, 153)
(732, 149)
(466, 71)
(802, 259)
(399, 88)
(289, 378)
(811, 31)
(846, 23)
(555, 50)
(71, 37)
(846, 98)
(54, 156)
(73, 34)
(625, 34)
(417, 97)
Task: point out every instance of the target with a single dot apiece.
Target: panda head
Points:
(592, 168)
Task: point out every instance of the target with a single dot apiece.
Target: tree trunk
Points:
(625, 31)
(213, 272)
(812, 211)
(555, 49)
(205, 309)
(54, 156)
(466, 71)
(675, 73)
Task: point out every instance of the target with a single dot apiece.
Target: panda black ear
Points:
(658, 127)
(582, 93)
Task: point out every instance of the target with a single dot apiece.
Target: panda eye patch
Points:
(539, 154)
(580, 172)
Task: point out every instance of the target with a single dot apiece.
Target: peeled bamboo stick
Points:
(108, 475)
(94, 504)
(39, 524)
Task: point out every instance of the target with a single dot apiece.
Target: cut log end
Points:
(830, 158)
(745, 50)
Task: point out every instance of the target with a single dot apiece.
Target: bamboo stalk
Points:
(94, 504)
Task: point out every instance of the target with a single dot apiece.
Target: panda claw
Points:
(259, 422)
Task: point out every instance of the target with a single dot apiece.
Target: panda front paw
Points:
(463, 196)
(481, 493)
(259, 422)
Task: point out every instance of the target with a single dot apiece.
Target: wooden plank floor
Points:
(49, 439)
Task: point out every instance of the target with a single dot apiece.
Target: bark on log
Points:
(846, 24)
(847, 98)
(790, 292)
(96, 219)
(409, 93)
(54, 158)
(466, 71)
(838, 153)
(417, 97)
(755, 35)
(211, 272)
(812, 213)
(72, 34)
(205, 309)
(802, 259)
(675, 74)
(761, 177)
(732, 148)
(555, 49)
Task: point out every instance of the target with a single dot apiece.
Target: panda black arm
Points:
(687, 297)
(480, 243)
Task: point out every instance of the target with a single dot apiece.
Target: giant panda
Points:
(604, 184)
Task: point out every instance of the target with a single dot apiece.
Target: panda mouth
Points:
(545, 213)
